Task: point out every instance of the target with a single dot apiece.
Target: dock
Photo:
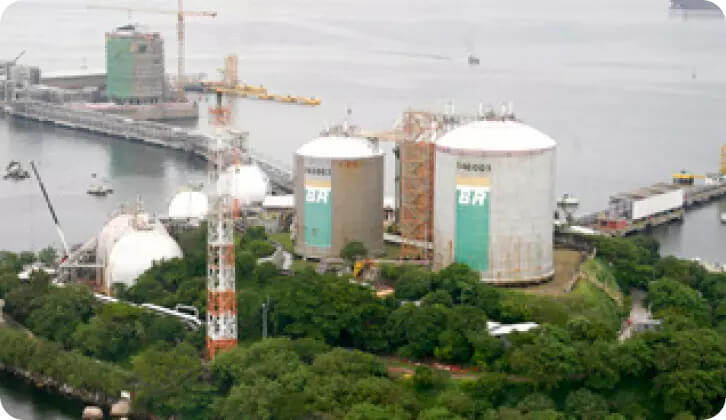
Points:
(148, 132)
(613, 221)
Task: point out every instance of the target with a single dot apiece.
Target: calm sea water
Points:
(630, 93)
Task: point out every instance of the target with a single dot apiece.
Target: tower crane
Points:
(181, 13)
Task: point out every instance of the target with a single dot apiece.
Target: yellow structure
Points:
(723, 159)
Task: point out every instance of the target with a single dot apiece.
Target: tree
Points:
(413, 284)
(535, 402)
(170, 382)
(261, 248)
(666, 293)
(353, 251)
(57, 313)
(586, 405)
(550, 358)
(48, 256)
(368, 411)
(114, 334)
(438, 413)
(415, 330)
(426, 378)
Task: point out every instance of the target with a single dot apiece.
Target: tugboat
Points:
(99, 189)
(15, 171)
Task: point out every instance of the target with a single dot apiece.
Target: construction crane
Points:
(12, 63)
(52, 213)
(180, 30)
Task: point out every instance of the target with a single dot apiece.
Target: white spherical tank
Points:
(247, 183)
(112, 231)
(338, 196)
(136, 252)
(494, 197)
(189, 205)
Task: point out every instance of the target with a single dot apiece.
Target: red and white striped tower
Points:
(221, 295)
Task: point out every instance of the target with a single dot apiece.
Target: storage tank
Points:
(129, 244)
(338, 196)
(136, 252)
(494, 200)
(189, 205)
(247, 183)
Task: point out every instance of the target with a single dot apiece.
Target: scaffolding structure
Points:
(221, 294)
(416, 153)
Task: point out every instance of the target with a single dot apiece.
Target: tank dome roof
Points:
(247, 183)
(136, 252)
(188, 204)
(111, 232)
(495, 136)
(339, 147)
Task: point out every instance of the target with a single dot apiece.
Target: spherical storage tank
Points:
(247, 183)
(338, 196)
(494, 199)
(129, 244)
(188, 205)
(136, 252)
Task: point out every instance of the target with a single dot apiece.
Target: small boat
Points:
(473, 60)
(15, 171)
(723, 217)
(99, 189)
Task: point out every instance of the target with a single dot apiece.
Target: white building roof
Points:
(334, 147)
(279, 201)
(497, 329)
(496, 136)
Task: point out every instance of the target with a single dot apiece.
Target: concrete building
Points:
(494, 196)
(135, 66)
(338, 196)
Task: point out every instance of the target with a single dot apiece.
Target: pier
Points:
(693, 196)
(148, 132)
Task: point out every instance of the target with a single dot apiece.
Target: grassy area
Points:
(601, 273)
(567, 266)
(283, 239)
(392, 251)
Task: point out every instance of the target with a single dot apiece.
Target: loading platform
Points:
(148, 132)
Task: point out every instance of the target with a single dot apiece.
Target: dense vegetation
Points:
(570, 367)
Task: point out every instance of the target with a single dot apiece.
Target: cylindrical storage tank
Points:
(494, 200)
(338, 196)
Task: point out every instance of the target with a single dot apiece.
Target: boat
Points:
(723, 217)
(15, 171)
(473, 60)
(99, 189)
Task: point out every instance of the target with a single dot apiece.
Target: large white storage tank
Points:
(247, 183)
(129, 244)
(188, 205)
(493, 201)
(338, 196)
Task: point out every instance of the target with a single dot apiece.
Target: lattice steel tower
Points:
(221, 295)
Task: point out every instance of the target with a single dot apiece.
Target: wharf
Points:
(693, 196)
(148, 132)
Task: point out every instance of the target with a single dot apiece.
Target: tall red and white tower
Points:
(221, 295)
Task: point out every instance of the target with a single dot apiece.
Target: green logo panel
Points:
(472, 227)
(318, 212)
